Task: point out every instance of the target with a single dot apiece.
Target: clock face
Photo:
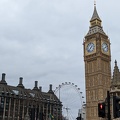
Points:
(90, 47)
(105, 47)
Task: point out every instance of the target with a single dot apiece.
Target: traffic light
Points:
(116, 107)
(101, 109)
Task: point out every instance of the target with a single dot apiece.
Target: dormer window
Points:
(32, 94)
(16, 92)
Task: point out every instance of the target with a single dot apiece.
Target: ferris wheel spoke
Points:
(71, 117)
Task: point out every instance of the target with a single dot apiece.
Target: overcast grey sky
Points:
(41, 40)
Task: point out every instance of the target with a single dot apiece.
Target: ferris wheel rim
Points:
(77, 90)
(73, 86)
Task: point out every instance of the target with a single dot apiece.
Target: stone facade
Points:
(115, 86)
(20, 103)
(97, 58)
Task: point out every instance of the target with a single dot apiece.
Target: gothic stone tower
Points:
(115, 84)
(97, 58)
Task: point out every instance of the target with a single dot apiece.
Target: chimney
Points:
(3, 76)
(50, 89)
(20, 80)
(3, 79)
(36, 85)
(20, 83)
(40, 88)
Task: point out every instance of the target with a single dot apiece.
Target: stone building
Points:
(97, 58)
(115, 82)
(115, 86)
(20, 103)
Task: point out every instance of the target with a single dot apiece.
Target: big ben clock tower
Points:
(97, 58)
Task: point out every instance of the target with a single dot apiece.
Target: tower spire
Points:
(95, 23)
(95, 14)
(94, 2)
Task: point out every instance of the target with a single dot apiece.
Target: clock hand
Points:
(90, 47)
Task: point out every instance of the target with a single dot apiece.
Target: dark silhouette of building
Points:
(20, 103)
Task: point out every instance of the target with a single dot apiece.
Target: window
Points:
(16, 92)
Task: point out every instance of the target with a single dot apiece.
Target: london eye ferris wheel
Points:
(71, 98)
